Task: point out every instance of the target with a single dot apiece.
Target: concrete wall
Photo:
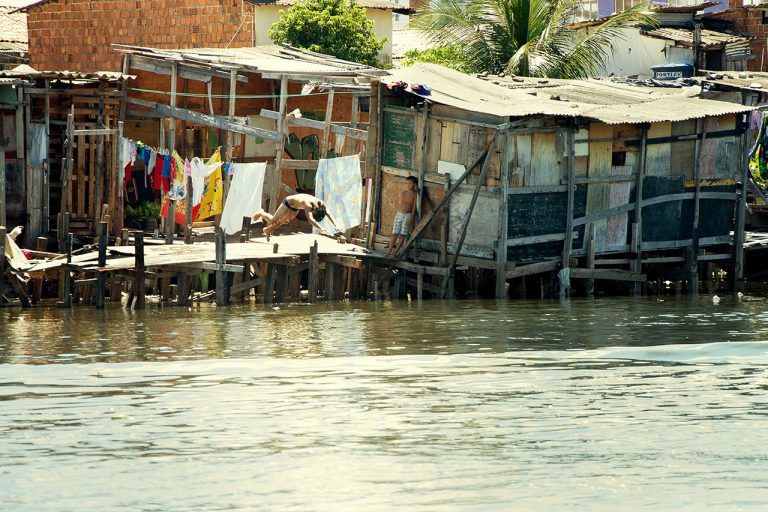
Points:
(635, 54)
(749, 21)
(76, 34)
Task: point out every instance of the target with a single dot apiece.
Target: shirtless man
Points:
(405, 217)
(313, 207)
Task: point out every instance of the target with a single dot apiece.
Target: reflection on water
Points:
(42, 335)
(620, 404)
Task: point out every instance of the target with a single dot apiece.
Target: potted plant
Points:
(143, 216)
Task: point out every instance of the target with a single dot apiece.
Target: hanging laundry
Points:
(200, 171)
(213, 191)
(244, 197)
(178, 185)
(152, 161)
(758, 163)
(38, 140)
(339, 185)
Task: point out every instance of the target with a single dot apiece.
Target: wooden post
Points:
(330, 269)
(222, 297)
(741, 206)
(274, 189)
(269, 287)
(444, 228)
(245, 230)
(102, 276)
(571, 179)
(138, 277)
(589, 284)
(314, 268)
(98, 164)
(116, 185)
(182, 289)
(694, 255)
(66, 176)
(3, 201)
(636, 258)
(3, 232)
(327, 129)
(281, 282)
(230, 136)
(37, 286)
(468, 214)
(419, 286)
(501, 246)
(67, 302)
(353, 123)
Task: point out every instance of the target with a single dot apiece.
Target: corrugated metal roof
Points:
(259, 59)
(739, 80)
(26, 72)
(594, 99)
(709, 38)
(13, 25)
(693, 8)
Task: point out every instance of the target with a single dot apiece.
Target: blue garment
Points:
(166, 167)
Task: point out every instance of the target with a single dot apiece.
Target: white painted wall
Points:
(266, 15)
(634, 55)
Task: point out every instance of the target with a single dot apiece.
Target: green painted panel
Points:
(662, 222)
(8, 94)
(399, 139)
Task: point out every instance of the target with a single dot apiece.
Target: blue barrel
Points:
(672, 71)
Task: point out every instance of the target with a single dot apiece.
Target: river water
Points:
(605, 404)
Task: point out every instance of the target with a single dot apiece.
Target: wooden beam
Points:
(532, 268)
(327, 126)
(501, 241)
(570, 149)
(276, 178)
(347, 131)
(636, 264)
(468, 213)
(206, 119)
(607, 274)
(163, 67)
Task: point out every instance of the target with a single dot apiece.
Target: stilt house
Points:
(615, 182)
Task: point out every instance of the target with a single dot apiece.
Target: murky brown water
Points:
(608, 404)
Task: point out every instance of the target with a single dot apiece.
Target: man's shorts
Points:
(400, 226)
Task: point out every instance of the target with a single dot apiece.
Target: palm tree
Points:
(524, 37)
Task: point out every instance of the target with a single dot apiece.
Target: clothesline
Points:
(246, 96)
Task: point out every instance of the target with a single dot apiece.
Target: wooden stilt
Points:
(182, 289)
(330, 268)
(636, 258)
(314, 269)
(589, 284)
(102, 276)
(419, 286)
(222, 297)
(67, 278)
(3, 232)
(139, 274)
(37, 286)
(281, 283)
(269, 287)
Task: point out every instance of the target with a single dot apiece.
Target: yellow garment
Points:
(213, 194)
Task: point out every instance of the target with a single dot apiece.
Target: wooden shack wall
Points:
(606, 166)
(452, 136)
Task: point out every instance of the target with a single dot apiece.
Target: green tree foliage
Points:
(524, 37)
(333, 27)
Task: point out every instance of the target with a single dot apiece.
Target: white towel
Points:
(244, 198)
(200, 171)
(339, 186)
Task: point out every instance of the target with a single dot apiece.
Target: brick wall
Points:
(76, 34)
(749, 21)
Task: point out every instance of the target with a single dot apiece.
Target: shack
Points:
(612, 182)
(54, 182)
